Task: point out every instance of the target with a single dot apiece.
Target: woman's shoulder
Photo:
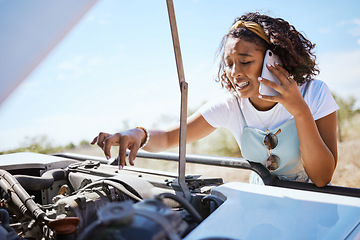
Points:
(314, 84)
(226, 100)
(315, 88)
(219, 110)
(317, 83)
(222, 105)
(319, 99)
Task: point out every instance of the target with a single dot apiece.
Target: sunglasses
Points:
(270, 142)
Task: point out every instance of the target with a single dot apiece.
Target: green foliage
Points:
(84, 144)
(347, 107)
(348, 118)
(70, 146)
(41, 144)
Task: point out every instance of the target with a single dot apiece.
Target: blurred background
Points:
(116, 70)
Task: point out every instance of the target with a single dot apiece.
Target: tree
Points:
(346, 112)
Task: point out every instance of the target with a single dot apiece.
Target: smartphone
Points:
(270, 58)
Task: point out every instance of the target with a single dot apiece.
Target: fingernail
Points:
(107, 157)
(269, 65)
(260, 96)
(120, 167)
(260, 78)
(276, 63)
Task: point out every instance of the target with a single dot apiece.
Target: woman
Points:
(292, 133)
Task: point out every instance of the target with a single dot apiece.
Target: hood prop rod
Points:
(184, 95)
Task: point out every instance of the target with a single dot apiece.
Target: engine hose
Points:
(213, 200)
(116, 185)
(43, 182)
(24, 196)
(182, 202)
(14, 197)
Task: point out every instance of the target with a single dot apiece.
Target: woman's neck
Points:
(261, 105)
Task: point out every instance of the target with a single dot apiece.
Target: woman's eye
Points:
(229, 65)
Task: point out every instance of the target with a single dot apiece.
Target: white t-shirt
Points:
(224, 111)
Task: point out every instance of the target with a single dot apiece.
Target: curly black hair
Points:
(294, 50)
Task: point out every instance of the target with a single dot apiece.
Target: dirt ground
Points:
(347, 171)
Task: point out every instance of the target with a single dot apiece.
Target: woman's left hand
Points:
(289, 94)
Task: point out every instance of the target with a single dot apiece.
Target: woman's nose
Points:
(236, 70)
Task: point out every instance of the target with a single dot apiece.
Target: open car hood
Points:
(29, 30)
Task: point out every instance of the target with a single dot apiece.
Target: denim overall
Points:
(288, 150)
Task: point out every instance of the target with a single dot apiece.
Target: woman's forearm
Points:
(197, 128)
(318, 151)
(159, 141)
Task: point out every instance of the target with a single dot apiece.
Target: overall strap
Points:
(306, 88)
(242, 114)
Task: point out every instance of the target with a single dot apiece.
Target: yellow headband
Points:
(252, 26)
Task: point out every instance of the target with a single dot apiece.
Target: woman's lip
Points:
(242, 85)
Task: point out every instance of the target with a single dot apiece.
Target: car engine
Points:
(50, 197)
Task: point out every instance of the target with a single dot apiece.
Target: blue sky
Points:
(116, 68)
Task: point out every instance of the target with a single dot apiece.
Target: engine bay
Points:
(87, 198)
(49, 197)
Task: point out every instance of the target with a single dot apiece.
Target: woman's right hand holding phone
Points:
(130, 139)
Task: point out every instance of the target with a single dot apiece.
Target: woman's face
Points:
(243, 66)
